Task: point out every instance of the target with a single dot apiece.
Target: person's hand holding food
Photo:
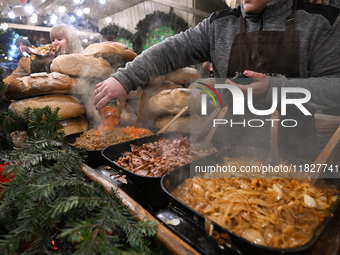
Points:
(46, 53)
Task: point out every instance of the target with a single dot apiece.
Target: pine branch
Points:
(134, 231)
(71, 202)
(98, 228)
(49, 191)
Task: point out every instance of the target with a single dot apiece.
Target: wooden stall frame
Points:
(167, 239)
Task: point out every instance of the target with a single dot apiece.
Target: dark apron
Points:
(270, 52)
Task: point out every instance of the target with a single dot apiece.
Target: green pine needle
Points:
(51, 200)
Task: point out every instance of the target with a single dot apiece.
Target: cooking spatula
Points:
(199, 131)
(172, 120)
(207, 140)
(273, 152)
(141, 104)
(324, 155)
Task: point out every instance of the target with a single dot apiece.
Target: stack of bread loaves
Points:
(168, 94)
(65, 88)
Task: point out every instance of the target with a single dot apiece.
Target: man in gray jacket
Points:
(278, 43)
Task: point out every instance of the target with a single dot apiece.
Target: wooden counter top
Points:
(171, 243)
(327, 244)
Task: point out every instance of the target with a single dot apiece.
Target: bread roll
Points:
(74, 125)
(82, 66)
(184, 123)
(70, 106)
(183, 76)
(172, 101)
(152, 89)
(28, 86)
(117, 54)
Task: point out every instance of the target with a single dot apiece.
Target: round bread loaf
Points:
(74, 125)
(171, 101)
(35, 85)
(82, 66)
(152, 89)
(183, 76)
(117, 54)
(183, 123)
(159, 79)
(209, 81)
(70, 107)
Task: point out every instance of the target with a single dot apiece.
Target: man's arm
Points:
(187, 48)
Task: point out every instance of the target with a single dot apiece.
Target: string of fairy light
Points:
(29, 9)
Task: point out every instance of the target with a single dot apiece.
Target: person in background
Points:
(277, 43)
(23, 45)
(66, 38)
(24, 59)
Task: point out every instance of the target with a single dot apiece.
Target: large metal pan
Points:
(150, 186)
(172, 179)
(94, 157)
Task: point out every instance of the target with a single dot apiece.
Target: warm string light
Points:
(62, 9)
(28, 7)
(11, 14)
(4, 26)
(108, 19)
(34, 18)
(87, 10)
(53, 19)
(79, 12)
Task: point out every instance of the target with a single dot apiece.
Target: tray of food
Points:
(45, 50)
(94, 141)
(256, 215)
(147, 159)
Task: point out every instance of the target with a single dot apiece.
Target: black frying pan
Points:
(172, 179)
(150, 186)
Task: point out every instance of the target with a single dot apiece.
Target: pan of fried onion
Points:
(261, 214)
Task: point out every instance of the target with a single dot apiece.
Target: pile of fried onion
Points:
(274, 212)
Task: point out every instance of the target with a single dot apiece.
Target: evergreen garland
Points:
(113, 31)
(51, 204)
(154, 20)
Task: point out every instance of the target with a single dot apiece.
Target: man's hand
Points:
(260, 84)
(108, 90)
